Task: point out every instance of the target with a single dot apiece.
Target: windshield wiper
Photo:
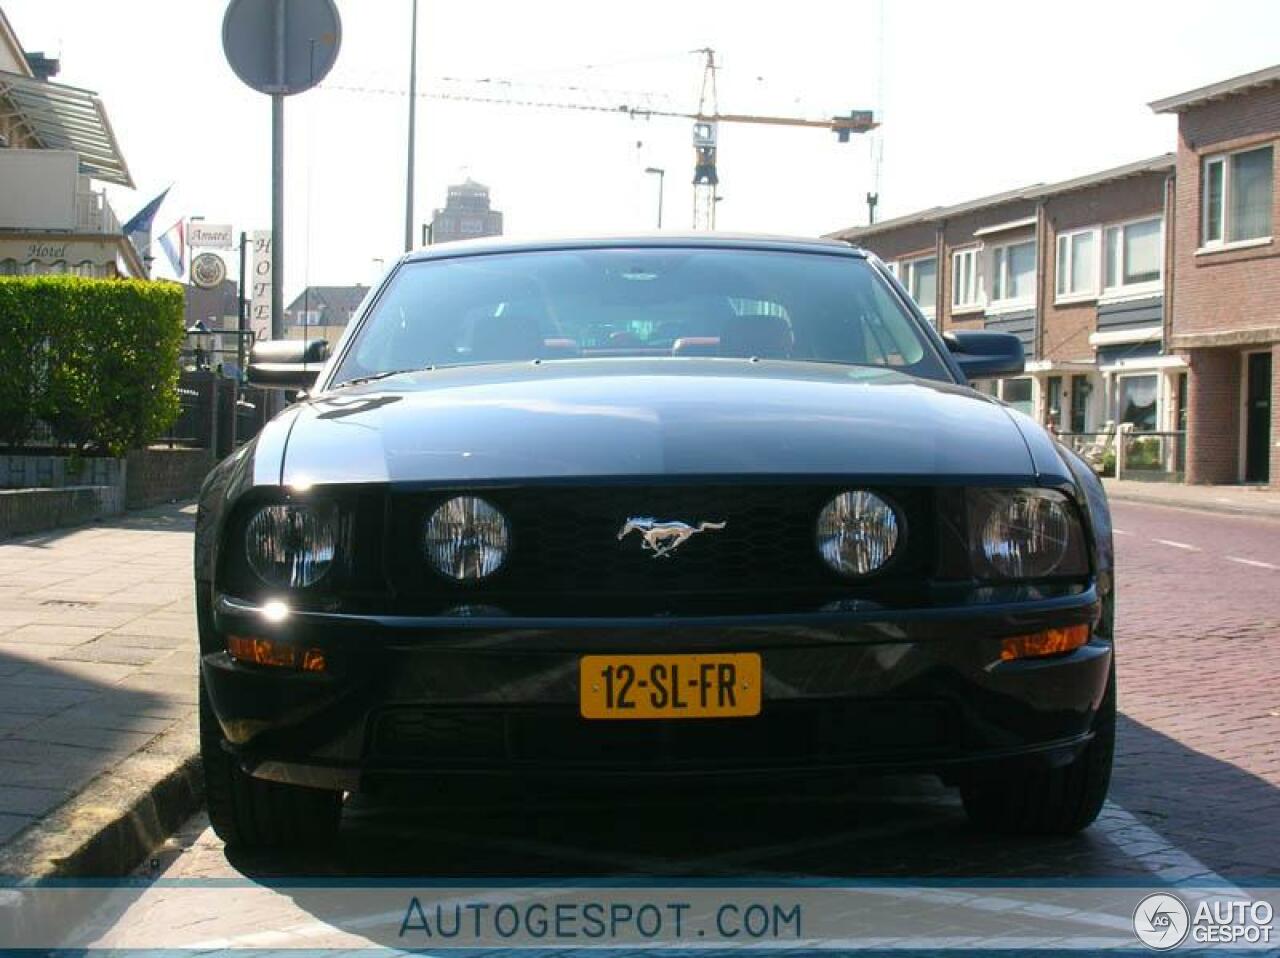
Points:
(373, 377)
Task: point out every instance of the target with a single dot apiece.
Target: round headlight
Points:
(467, 538)
(857, 532)
(1026, 535)
(290, 546)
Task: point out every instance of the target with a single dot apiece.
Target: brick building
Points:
(1076, 270)
(1226, 288)
(1147, 294)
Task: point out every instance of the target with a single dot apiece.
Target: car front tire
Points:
(1054, 801)
(250, 813)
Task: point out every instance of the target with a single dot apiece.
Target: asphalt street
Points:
(1195, 796)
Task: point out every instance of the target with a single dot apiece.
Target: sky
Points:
(975, 97)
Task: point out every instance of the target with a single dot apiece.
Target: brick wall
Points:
(1213, 416)
(155, 476)
(1231, 289)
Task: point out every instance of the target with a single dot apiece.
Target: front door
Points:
(1257, 442)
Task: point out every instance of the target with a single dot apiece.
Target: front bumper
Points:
(860, 689)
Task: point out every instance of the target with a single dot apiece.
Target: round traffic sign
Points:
(281, 46)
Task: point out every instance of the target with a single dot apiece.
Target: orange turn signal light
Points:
(281, 655)
(1045, 642)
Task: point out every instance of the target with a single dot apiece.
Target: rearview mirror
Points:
(981, 354)
(287, 363)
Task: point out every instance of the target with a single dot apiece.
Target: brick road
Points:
(1196, 793)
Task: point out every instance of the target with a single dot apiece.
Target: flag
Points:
(141, 221)
(174, 243)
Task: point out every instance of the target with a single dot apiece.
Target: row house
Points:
(1226, 267)
(1076, 270)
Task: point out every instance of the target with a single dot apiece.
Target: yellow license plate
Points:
(669, 686)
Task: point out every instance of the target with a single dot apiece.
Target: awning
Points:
(63, 117)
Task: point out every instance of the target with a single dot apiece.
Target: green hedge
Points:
(96, 359)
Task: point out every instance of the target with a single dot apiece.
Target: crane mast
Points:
(706, 178)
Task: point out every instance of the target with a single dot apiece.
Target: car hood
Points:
(577, 418)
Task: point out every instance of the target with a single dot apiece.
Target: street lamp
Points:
(196, 331)
(662, 175)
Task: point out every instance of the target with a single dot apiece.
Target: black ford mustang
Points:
(664, 507)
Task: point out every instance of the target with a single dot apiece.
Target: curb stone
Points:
(1195, 504)
(118, 819)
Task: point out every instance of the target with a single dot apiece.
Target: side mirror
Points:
(981, 354)
(287, 363)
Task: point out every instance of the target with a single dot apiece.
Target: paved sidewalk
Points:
(1235, 500)
(97, 679)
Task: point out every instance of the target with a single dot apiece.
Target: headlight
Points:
(291, 546)
(1025, 533)
(467, 538)
(857, 533)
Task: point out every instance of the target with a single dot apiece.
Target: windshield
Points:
(591, 303)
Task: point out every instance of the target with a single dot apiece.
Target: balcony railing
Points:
(94, 213)
(1151, 456)
(1126, 454)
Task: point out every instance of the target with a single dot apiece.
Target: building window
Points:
(965, 290)
(920, 277)
(1013, 273)
(1134, 255)
(1077, 264)
(892, 268)
(1017, 393)
(1237, 196)
(1136, 402)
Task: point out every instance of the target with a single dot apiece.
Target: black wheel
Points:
(1056, 801)
(248, 812)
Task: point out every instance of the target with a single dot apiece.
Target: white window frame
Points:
(1139, 373)
(1006, 302)
(906, 276)
(1222, 242)
(975, 301)
(1064, 265)
(1126, 290)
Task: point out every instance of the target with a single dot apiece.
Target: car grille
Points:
(785, 734)
(565, 545)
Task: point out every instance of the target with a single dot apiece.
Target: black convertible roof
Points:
(654, 240)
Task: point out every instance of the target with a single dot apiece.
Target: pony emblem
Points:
(663, 538)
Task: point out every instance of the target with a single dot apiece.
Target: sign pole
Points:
(413, 104)
(243, 323)
(277, 216)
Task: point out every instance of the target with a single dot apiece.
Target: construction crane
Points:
(706, 124)
(706, 120)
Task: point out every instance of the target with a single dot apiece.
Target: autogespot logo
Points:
(1161, 921)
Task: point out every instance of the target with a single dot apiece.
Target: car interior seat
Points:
(757, 334)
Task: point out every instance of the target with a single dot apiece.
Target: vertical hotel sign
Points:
(260, 289)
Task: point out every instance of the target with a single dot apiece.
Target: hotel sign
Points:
(55, 252)
(260, 285)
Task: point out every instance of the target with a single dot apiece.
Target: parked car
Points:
(690, 506)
